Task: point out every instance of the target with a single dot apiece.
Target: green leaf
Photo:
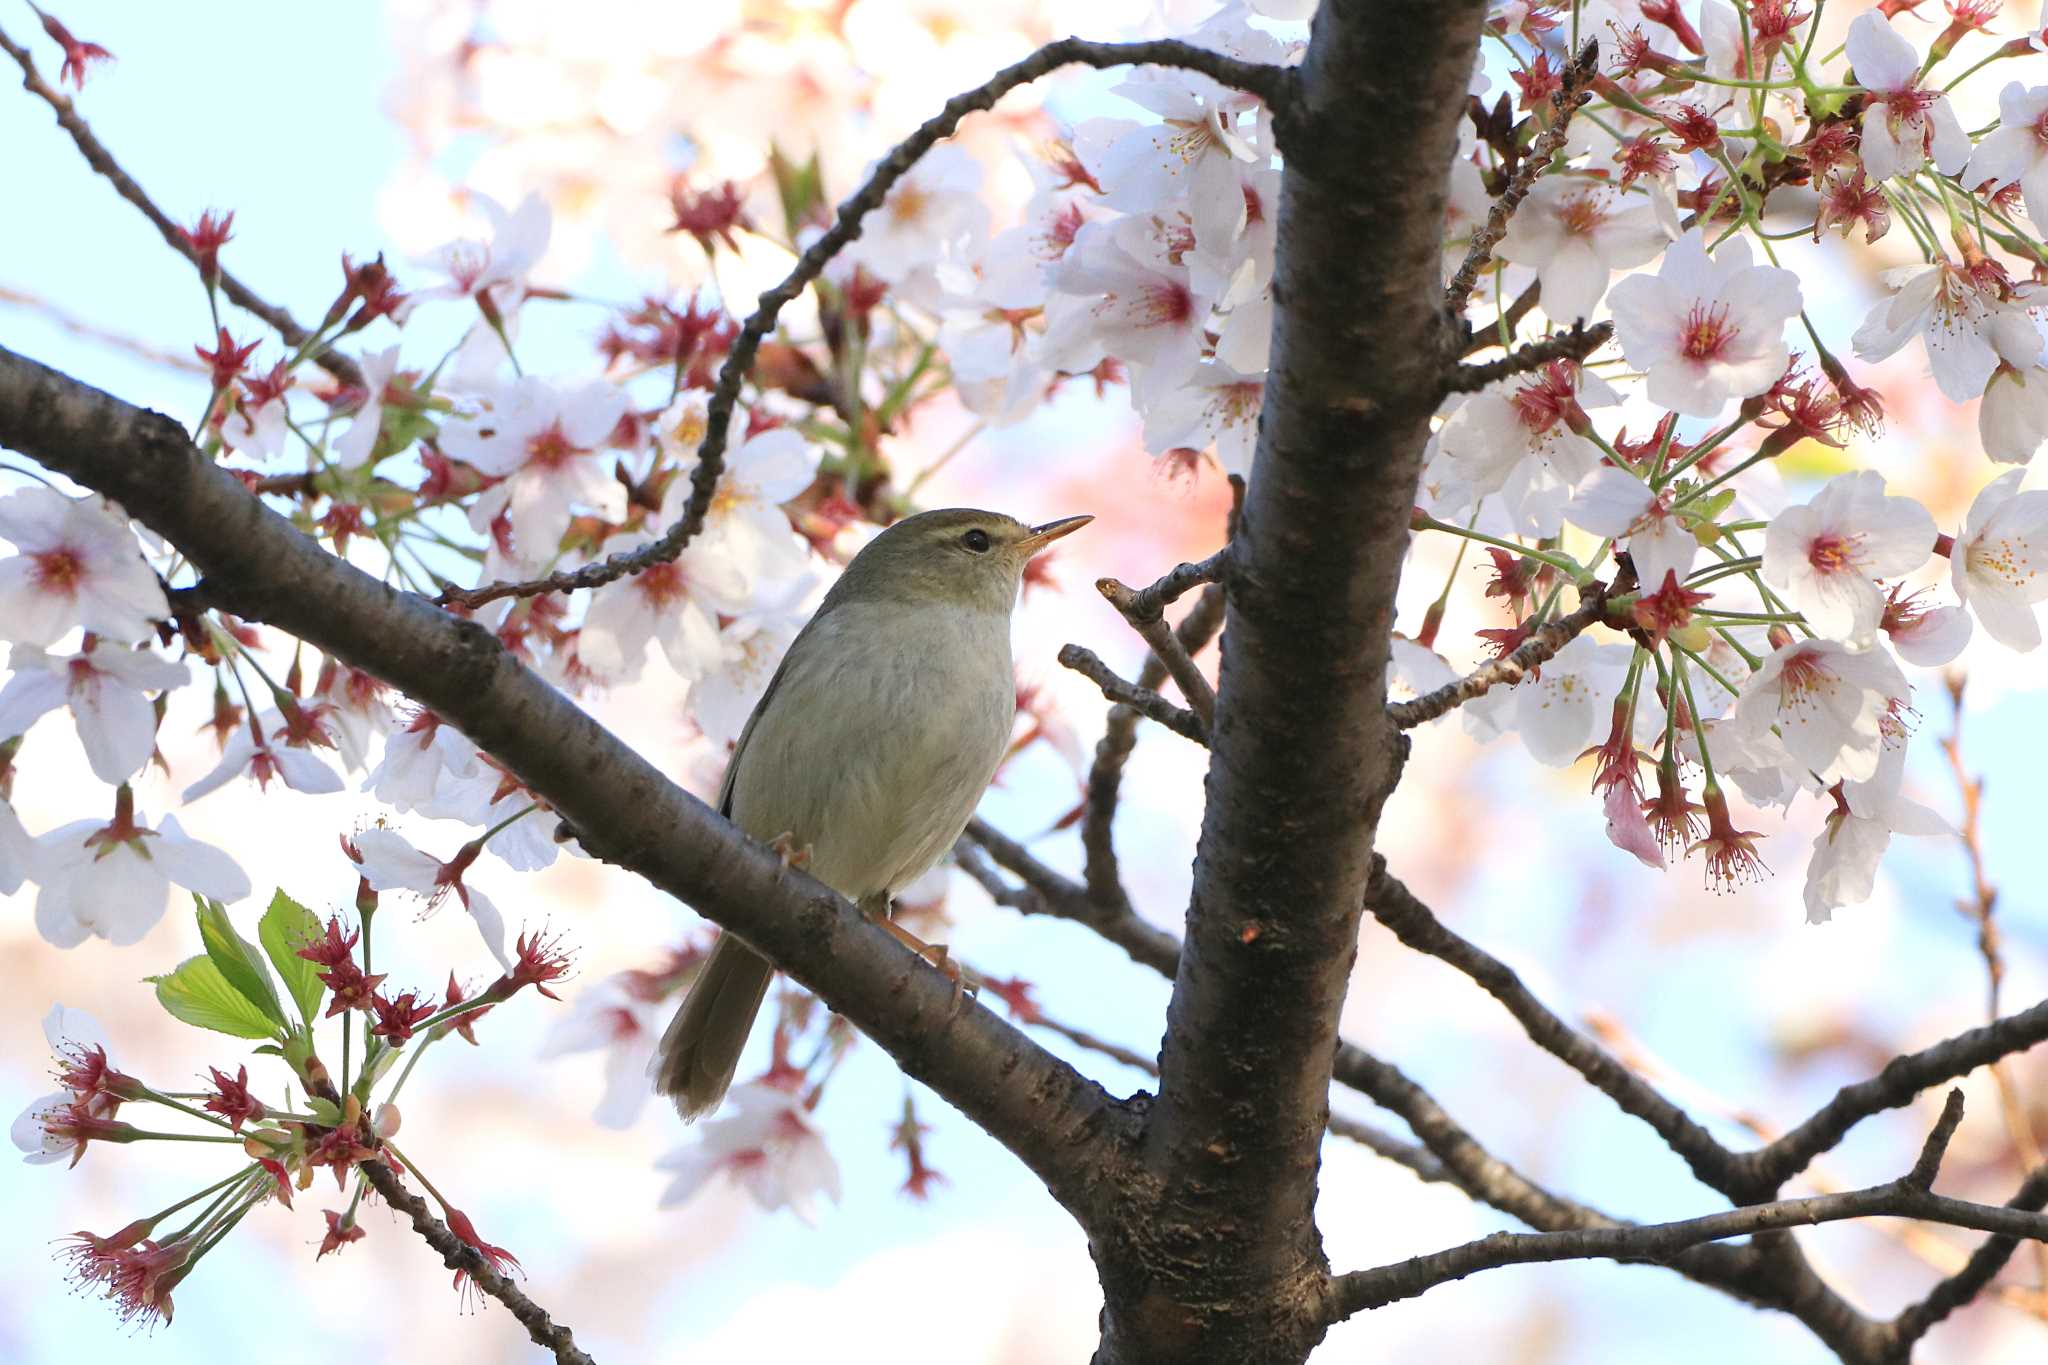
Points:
(199, 995)
(285, 928)
(241, 966)
(800, 186)
(327, 1111)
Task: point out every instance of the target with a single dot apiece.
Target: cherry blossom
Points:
(1706, 330)
(1904, 125)
(1996, 564)
(538, 436)
(77, 564)
(390, 863)
(1824, 555)
(934, 209)
(352, 448)
(434, 769)
(275, 744)
(746, 522)
(2017, 152)
(16, 850)
(1847, 850)
(106, 686)
(618, 1016)
(1965, 318)
(1108, 302)
(1525, 436)
(1829, 704)
(1191, 152)
(1575, 233)
(2013, 418)
(676, 604)
(110, 880)
(1926, 636)
(1217, 407)
(764, 1140)
(755, 642)
(260, 423)
(1615, 503)
(495, 270)
(1555, 709)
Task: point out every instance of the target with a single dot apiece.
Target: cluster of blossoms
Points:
(345, 1119)
(1767, 622)
(1765, 628)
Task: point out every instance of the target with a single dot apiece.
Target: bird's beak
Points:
(1042, 536)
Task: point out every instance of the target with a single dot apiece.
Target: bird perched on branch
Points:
(870, 749)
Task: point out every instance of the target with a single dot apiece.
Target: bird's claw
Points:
(793, 854)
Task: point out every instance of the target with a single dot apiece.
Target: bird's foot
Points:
(965, 983)
(793, 854)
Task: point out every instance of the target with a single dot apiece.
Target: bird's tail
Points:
(701, 1049)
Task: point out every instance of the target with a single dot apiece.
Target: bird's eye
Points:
(976, 540)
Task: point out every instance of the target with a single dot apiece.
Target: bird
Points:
(866, 756)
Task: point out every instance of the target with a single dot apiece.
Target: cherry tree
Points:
(1541, 284)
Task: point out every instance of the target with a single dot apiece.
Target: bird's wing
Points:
(732, 767)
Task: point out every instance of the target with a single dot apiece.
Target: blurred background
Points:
(354, 129)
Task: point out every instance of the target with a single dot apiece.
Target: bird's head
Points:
(957, 555)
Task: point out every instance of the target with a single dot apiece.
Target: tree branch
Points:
(457, 1254)
(1273, 84)
(1765, 1169)
(1143, 700)
(1576, 90)
(1966, 1284)
(1064, 1127)
(1511, 668)
(100, 159)
(1142, 610)
(1906, 1197)
(1580, 342)
(1395, 906)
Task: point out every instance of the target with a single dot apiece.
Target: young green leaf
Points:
(199, 995)
(239, 962)
(285, 928)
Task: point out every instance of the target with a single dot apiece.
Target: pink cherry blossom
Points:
(77, 564)
(1108, 302)
(1706, 329)
(1826, 555)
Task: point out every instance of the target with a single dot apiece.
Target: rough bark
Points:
(1228, 1265)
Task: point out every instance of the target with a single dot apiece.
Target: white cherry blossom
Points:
(1557, 710)
(110, 880)
(1108, 302)
(16, 851)
(1218, 407)
(1525, 422)
(1575, 233)
(540, 438)
(76, 564)
(274, 746)
(432, 768)
(619, 1017)
(1997, 563)
(390, 863)
(2017, 151)
(497, 268)
(1964, 317)
(1613, 502)
(934, 209)
(1825, 555)
(1846, 852)
(106, 686)
(1831, 706)
(352, 448)
(2013, 418)
(765, 1141)
(1904, 125)
(746, 522)
(1706, 329)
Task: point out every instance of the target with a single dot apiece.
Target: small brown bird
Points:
(870, 749)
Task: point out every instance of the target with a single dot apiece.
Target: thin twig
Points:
(1967, 1283)
(1580, 342)
(1980, 908)
(1395, 906)
(92, 331)
(457, 1254)
(1062, 898)
(1143, 700)
(1142, 610)
(1271, 83)
(1532, 653)
(100, 159)
(1564, 103)
(1906, 1197)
